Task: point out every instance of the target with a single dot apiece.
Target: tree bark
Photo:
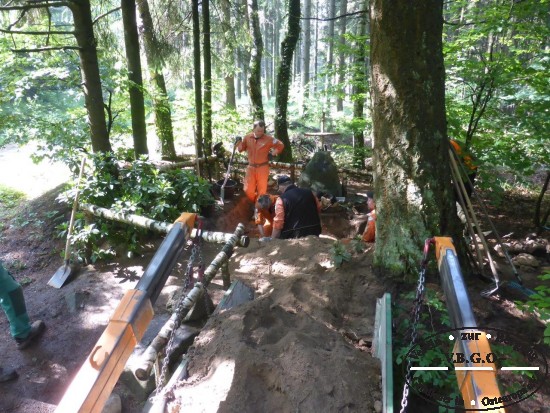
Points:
(330, 56)
(306, 53)
(341, 56)
(207, 108)
(255, 76)
(137, 103)
(161, 104)
(283, 78)
(197, 76)
(412, 174)
(360, 87)
(229, 51)
(91, 81)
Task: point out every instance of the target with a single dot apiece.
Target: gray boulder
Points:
(321, 175)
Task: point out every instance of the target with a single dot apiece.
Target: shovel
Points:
(67, 270)
(222, 190)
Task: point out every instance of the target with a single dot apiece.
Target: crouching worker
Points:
(265, 212)
(369, 234)
(296, 211)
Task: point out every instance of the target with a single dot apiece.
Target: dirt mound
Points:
(301, 345)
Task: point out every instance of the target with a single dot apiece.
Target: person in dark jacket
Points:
(296, 211)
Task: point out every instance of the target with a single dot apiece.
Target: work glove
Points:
(265, 239)
(238, 139)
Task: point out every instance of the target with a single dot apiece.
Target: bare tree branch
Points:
(104, 15)
(35, 5)
(45, 49)
(37, 33)
(334, 18)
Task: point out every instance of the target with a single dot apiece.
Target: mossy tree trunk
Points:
(360, 87)
(161, 105)
(283, 78)
(91, 81)
(137, 102)
(207, 107)
(412, 174)
(255, 76)
(197, 76)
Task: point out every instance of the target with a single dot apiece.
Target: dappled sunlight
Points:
(206, 394)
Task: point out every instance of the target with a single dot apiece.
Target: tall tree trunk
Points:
(207, 118)
(283, 78)
(91, 81)
(360, 87)
(197, 76)
(255, 77)
(330, 57)
(341, 56)
(306, 53)
(229, 55)
(137, 104)
(161, 104)
(412, 175)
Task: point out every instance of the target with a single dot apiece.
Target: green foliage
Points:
(495, 52)
(339, 254)
(539, 303)
(140, 189)
(433, 318)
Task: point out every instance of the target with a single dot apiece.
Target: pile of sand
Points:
(302, 345)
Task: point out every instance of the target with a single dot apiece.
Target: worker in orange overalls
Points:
(369, 234)
(265, 212)
(468, 163)
(258, 146)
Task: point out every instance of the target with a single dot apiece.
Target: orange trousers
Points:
(255, 181)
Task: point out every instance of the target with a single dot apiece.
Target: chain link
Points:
(195, 251)
(415, 316)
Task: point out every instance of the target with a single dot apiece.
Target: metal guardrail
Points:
(382, 349)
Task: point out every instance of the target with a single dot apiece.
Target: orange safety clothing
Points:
(265, 217)
(370, 230)
(466, 159)
(257, 172)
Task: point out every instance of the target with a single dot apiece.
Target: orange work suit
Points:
(265, 217)
(370, 230)
(257, 172)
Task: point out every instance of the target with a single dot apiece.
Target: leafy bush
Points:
(139, 189)
(339, 254)
(539, 303)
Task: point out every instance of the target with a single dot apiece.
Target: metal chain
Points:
(415, 316)
(195, 251)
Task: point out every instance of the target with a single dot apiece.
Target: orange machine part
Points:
(97, 377)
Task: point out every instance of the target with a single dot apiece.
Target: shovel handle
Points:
(73, 212)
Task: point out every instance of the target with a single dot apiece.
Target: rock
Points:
(378, 406)
(321, 175)
(113, 405)
(526, 260)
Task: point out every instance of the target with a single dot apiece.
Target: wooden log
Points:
(159, 226)
(143, 367)
(187, 164)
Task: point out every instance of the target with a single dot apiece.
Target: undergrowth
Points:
(138, 188)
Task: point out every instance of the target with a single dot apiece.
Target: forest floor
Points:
(303, 344)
